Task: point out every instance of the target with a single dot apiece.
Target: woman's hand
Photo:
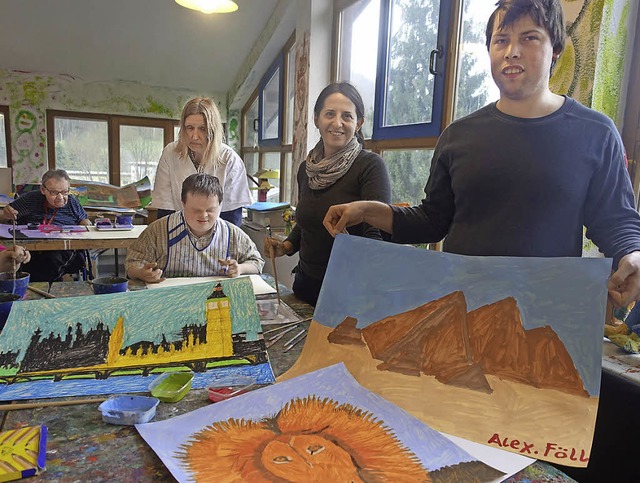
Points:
(10, 213)
(275, 248)
(10, 256)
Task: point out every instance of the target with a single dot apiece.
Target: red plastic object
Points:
(230, 388)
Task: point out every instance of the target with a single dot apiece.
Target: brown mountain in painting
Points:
(441, 339)
(536, 356)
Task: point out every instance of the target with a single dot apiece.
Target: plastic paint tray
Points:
(171, 386)
(229, 387)
(128, 409)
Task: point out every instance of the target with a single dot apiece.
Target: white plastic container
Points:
(129, 410)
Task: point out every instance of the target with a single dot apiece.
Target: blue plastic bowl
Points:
(104, 285)
(17, 284)
(6, 302)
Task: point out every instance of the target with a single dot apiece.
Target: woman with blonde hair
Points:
(199, 149)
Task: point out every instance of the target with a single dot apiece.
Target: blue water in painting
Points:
(126, 384)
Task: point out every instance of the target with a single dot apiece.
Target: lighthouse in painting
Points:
(218, 313)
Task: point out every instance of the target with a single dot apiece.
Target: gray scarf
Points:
(323, 172)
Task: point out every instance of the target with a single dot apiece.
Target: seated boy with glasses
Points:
(52, 205)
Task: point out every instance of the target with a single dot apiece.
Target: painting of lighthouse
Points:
(120, 342)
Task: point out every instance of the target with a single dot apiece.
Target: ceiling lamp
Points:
(210, 6)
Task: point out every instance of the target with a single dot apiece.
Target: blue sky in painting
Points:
(335, 382)
(370, 280)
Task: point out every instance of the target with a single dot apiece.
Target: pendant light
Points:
(210, 6)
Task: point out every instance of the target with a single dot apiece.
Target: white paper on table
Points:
(260, 287)
(506, 461)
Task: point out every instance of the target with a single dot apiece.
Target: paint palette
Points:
(104, 224)
(171, 386)
(232, 386)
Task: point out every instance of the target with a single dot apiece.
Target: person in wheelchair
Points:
(52, 205)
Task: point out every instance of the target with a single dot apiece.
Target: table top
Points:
(81, 447)
(92, 239)
(620, 363)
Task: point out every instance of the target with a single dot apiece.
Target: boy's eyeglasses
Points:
(56, 193)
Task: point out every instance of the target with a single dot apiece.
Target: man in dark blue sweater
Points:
(523, 175)
(52, 205)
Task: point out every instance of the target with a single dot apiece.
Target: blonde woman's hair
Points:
(208, 108)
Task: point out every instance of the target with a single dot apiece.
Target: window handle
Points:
(432, 60)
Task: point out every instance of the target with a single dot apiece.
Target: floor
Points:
(104, 265)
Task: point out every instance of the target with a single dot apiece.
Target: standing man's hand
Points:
(339, 217)
(624, 284)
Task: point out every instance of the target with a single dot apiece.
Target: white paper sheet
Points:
(505, 461)
(260, 287)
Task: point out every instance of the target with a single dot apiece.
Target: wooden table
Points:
(81, 447)
(98, 240)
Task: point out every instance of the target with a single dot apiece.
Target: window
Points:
(412, 105)
(271, 107)
(405, 90)
(82, 147)
(111, 149)
(475, 87)
(5, 138)
(140, 150)
(267, 123)
(408, 173)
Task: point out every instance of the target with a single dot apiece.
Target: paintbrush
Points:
(41, 292)
(15, 252)
(273, 264)
(287, 325)
(284, 332)
(295, 337)
(287, 349)
(16, 407)
(274, 339)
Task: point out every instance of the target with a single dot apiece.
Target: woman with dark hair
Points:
(199, 149)
(337, 170)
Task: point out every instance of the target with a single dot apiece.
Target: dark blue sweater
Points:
(32, 208)
(507, 186)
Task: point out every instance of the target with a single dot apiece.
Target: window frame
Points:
(4, 110)
(277, 65)
(113, 134)
(631, 124)
(423, 129)
(268, 146)
(425, 140)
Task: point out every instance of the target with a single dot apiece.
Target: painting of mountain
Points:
(499, 350)
(441, 339)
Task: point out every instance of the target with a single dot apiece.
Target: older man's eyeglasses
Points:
(55, 193)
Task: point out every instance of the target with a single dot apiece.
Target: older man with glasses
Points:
(52, 205)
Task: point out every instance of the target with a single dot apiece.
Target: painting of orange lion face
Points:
(310, 439)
